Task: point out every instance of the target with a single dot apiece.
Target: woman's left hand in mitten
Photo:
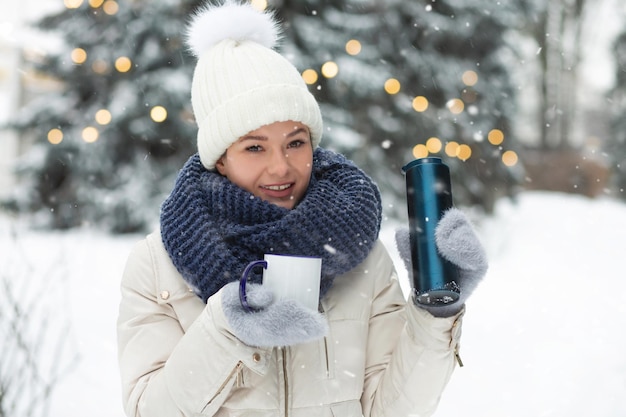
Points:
(457, 242)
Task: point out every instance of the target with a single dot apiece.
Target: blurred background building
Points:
(17, 38)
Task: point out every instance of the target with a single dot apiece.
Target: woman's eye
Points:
(254, 148)
(296, 143)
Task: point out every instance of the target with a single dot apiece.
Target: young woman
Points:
(260, 184)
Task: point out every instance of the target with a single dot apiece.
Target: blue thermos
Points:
(429, 195)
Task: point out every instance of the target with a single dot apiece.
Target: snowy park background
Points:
(544, 333)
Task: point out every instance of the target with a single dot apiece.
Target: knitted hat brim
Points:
(244, 113)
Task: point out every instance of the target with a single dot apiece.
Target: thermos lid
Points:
(421, 161)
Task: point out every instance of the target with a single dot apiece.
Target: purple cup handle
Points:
(243, 297)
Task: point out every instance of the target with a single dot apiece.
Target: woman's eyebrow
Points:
(264, 138)
(257, 138)
(297, 132)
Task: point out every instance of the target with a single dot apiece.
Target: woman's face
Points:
(273, 162)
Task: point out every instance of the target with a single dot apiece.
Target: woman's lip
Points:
(278, 190)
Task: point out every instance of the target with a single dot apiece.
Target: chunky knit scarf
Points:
(212, 229)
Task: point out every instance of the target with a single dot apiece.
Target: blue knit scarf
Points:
(212, 229)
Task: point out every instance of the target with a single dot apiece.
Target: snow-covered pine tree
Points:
(389, 74)
(104, 150)
(393, 74)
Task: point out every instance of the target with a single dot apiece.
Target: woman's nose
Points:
(279, 163)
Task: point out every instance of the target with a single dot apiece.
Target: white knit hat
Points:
(240, 83)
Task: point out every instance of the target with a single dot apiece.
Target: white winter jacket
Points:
(177, 356)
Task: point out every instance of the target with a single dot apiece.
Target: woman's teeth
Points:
(277, 187)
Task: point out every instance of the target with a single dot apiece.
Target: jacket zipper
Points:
(457, 355)
(239, 381)
(235, 370)
(321, 310)
(286, 381)
(327, 359)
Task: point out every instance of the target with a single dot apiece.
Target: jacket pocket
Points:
(347, 409)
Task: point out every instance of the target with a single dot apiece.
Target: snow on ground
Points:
(543, 335)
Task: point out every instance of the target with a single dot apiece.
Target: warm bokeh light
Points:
(392, 86)
(353, 47)
(72, 4)
(90, 134)
(509, 158)
(469, 78)
(158, 114)
(420, 151)
(55, 136)
(495, 137)
(123, 64)
(79, 56)
(259, 5)
(309, 76)
(456, 106)
(420, 104)
(469, 95)
(434, 145)
(593, 143)
(96, 3)
(100, 66)
(103, 117)
(110, 7)
(463, 152)
(330, 69)
(452, 148)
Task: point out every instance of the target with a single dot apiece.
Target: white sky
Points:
(605, 19)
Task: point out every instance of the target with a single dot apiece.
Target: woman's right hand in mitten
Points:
(270, 323)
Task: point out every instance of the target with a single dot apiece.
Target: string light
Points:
(434, 145)
(96, 3)
(420, 104)
(123, 64)
(309, 76)
(392, 86)
(353, 47)
(456, 106)
(330, 69)
(55, 136)
(90, 134)
(100, 66)
(420, 151)
(79, 56)
(470, 78)
(469, 95)
(158, 114)
(72, 4)
(463, 152)
(103, 117)
(495, 137)
(509, 158)
(110, 7)
(452, 148)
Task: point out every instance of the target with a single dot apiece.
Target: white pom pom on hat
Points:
(240, 83)
(213, 23)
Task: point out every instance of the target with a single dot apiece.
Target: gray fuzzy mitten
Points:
(456, 242)
(271, 323)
